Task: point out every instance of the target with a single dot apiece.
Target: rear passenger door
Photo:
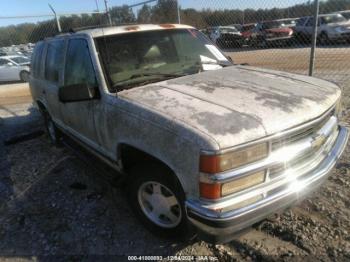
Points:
(78, 117)
(54, 64)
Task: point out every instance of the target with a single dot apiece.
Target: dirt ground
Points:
(53, 203)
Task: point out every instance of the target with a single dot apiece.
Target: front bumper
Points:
(345, 35)
(279, 39)
(219, 227)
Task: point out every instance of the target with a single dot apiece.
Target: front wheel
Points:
(158, 201)
(324, 39)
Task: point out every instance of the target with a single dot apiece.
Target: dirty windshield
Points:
(135, 59)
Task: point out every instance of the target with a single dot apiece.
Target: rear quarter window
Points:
(54, 60)
(36, 59)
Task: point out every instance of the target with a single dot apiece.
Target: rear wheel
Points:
(24, 76)
(158, 201)
(52, 131)
(324, 39)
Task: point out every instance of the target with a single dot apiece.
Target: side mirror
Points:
(78, 92)
(10, 64)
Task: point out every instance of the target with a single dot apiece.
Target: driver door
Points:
(78, 116)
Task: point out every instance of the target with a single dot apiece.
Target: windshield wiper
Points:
(154, 74)
(163, 76)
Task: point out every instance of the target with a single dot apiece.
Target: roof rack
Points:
(76, 29)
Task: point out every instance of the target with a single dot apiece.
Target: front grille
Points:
(301, 134)
(308, 156)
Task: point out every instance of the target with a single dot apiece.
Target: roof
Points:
(113, 30)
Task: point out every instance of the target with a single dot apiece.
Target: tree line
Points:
(165, 11)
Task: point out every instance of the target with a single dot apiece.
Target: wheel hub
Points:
(159, 204)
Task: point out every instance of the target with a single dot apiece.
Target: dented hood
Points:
(238, 104)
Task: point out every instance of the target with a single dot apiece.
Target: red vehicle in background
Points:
(271, 33)
(247, 30)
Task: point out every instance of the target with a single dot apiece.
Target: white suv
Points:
(199, 142)
(330, 28)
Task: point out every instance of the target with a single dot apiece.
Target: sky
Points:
(40, 7)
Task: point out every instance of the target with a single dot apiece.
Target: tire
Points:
(52, 131)
(158, 201)
(24, 76)
(324, 39)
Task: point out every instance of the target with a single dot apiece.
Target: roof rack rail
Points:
(76, 29)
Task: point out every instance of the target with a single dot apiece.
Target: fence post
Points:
(178, 12)
(108, 13)
(314, 37)
(57, 19)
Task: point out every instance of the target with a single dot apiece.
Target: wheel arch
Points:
(41, 105)
(130, 156)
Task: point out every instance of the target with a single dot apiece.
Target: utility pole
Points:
(57, 19)
(107, 13)
(178, 12)
(314, 37)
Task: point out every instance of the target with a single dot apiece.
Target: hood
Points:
(238, 104)
(345, 23)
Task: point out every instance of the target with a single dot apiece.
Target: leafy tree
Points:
(144, 15)
(165, 12)
(122, 15)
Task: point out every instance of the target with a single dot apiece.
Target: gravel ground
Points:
(54, 203)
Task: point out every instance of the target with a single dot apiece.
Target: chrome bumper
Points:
(216, 226)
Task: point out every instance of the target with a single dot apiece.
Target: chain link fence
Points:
(266, 33)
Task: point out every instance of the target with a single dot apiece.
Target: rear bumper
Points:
(220, 227)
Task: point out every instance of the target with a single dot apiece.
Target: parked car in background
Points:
(200, 143)
(226, 36)
(345, 13)
(288, 22)
(237, 26)
(331, 28)
(270, 33)
(14, 68)
(246, 31)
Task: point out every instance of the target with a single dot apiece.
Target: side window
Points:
(301, 21)
(3, 62)
(79, 68)
(37, 56)
(310, 22)
(54, 60)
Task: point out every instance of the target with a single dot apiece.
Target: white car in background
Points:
(14, 68)
(345, 13)
(330, 28)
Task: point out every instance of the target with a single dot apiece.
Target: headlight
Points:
(220, 163)
(242, 183)
(216, 190)
(339, 29)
